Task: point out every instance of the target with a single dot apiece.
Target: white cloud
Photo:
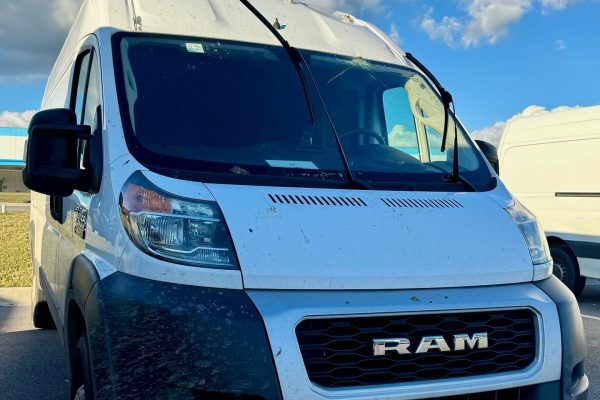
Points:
(490, 20)
(560, 45)
(558, 4)
(493, 133)
(394, 34)
(10, 119)
(65, 12)
(445, 30)
(486, 21)
(402, 137)
(31, 35)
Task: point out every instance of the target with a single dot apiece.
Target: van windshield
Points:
(222, 111)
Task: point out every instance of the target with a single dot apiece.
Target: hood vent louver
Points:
(422, 203)
(343, 201)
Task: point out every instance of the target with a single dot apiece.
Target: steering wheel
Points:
(365, 132)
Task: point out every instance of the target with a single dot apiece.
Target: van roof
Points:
(304, 26)
(551, 126)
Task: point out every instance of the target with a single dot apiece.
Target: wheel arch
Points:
(555, 241)
(83, 276)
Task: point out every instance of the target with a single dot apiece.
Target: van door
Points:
(86, 100)
(46, 246)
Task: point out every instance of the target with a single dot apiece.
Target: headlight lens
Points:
(532, 232)
(185, 231)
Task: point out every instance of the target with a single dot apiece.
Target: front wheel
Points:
(81, 374)
(567, 270)
(40, 313)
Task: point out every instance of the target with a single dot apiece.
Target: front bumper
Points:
(575, 383)
(160, 340)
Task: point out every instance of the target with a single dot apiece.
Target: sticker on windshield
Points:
(194, 47)
(292, 164)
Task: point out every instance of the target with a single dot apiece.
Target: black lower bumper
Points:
(575, 383)
(155, 340)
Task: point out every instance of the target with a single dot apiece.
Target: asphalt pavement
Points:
(33, 366)
(32, 362)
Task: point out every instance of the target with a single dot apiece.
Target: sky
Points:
(501, 59)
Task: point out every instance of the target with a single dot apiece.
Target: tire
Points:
(81, 372)
(40, 313)
(566, 269)
(41, 316)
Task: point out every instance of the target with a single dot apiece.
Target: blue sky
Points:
(497, 57)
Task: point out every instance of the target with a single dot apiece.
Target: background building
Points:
(12, 150)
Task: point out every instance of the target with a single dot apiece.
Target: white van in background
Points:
(551, 163)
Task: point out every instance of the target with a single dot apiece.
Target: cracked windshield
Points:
(388, 119)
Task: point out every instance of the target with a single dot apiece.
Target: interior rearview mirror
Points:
(491, 153)
(52, 164)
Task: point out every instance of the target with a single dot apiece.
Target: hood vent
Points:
(342, 201)
(422, 203)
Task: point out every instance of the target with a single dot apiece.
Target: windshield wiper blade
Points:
(445, 95)
(294, 55)
(447, 100)
(301, 65)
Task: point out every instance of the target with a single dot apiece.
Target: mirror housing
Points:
(491, 154)
(52, 164)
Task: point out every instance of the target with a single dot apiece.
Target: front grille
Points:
(338, 352)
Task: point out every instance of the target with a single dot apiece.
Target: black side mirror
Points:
(52, 164)
(491, 153)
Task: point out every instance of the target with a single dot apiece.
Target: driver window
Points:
(400, 123)
(434, 141)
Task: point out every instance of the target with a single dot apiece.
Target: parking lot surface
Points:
(33, 366)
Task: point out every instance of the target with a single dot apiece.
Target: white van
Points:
(551, 163)
(259, 203)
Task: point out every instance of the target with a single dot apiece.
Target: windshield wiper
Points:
(300, 64)
(447, 100)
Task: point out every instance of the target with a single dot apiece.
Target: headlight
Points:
(532, 232)
(185, 231)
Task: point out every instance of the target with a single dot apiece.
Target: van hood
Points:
(289, 238)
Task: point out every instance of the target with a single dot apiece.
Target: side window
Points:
(80, 83)
(401, 127)
(468, 159)
(434, 140)
(94, 95)
(87, 97)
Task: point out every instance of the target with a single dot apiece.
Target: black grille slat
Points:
(421, 203)
(523, 393)
(338, 352)
(308, 200)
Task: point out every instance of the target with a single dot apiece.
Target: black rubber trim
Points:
(83, 277)
(545, 391)
(577, 194)
(153, 339)
(575, 383)
(585, 249)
